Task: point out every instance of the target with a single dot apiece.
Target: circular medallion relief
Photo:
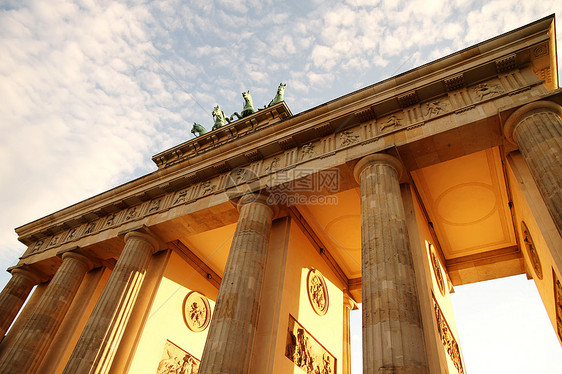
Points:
(196, 311)
(317, 292)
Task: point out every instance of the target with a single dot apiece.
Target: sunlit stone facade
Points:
(249, 246)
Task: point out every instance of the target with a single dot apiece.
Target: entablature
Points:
(466, 87)
(171, 199)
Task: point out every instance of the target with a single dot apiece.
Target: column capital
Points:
(26, 273)
(150, 239)
(377, 158)
(260, 197)
(80, 257)
(348, 302)
(526, 110)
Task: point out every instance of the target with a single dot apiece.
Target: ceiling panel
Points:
(339, 228)
(467, 202)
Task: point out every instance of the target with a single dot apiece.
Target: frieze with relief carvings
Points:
(487, 90)
(393, 121)
(175, 360)
(447, 339)
(308, 151)
(348, 137)
(436, 267)
(435, 107)
(306, 352)
(558, 303)
(531, 250)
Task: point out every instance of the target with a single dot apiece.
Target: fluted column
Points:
(33, 339)
(229, 344)
(98, 343)
(14, 295)
(537, 129)
(392, 332)
(348, 306)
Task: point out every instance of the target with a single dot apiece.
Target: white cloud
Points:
(233, 5)
(324, 57)
(320, 80)
(75, 119)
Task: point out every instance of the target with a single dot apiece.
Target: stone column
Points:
(98, 343)
(537, 129)
(33, 339)
(14, 295)
(392, 332)
(348, 306)
(229, 344)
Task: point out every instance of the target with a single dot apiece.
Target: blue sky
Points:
(90, 90)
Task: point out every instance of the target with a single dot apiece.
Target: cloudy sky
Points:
(90, 90)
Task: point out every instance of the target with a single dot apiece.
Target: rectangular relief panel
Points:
(449, 342)
(176, 360)
(558, 304)
(306, 352)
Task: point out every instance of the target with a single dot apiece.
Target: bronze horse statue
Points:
(248, 106)
(220, 118)
(197, 129)
(279, 96)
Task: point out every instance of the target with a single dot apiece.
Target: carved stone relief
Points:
(307, 151)
(306, 352)
(348, 137)
(132, 213)
(436, 266)
(486, 90)
(447, 338)
(558, 303)
(391, 121)
(110, 220)
(531, 250)
(274, 165)
(317, 292)
(37, 246)
(435, 108)
(207, 187)
(72, 234)
(90, 227)
(175, 360)
(54, 241)
(241, 175)
(196, 311)
(181, 197)
(540, 50)
(154, 205)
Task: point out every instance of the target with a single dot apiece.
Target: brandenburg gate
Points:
(249, 245)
